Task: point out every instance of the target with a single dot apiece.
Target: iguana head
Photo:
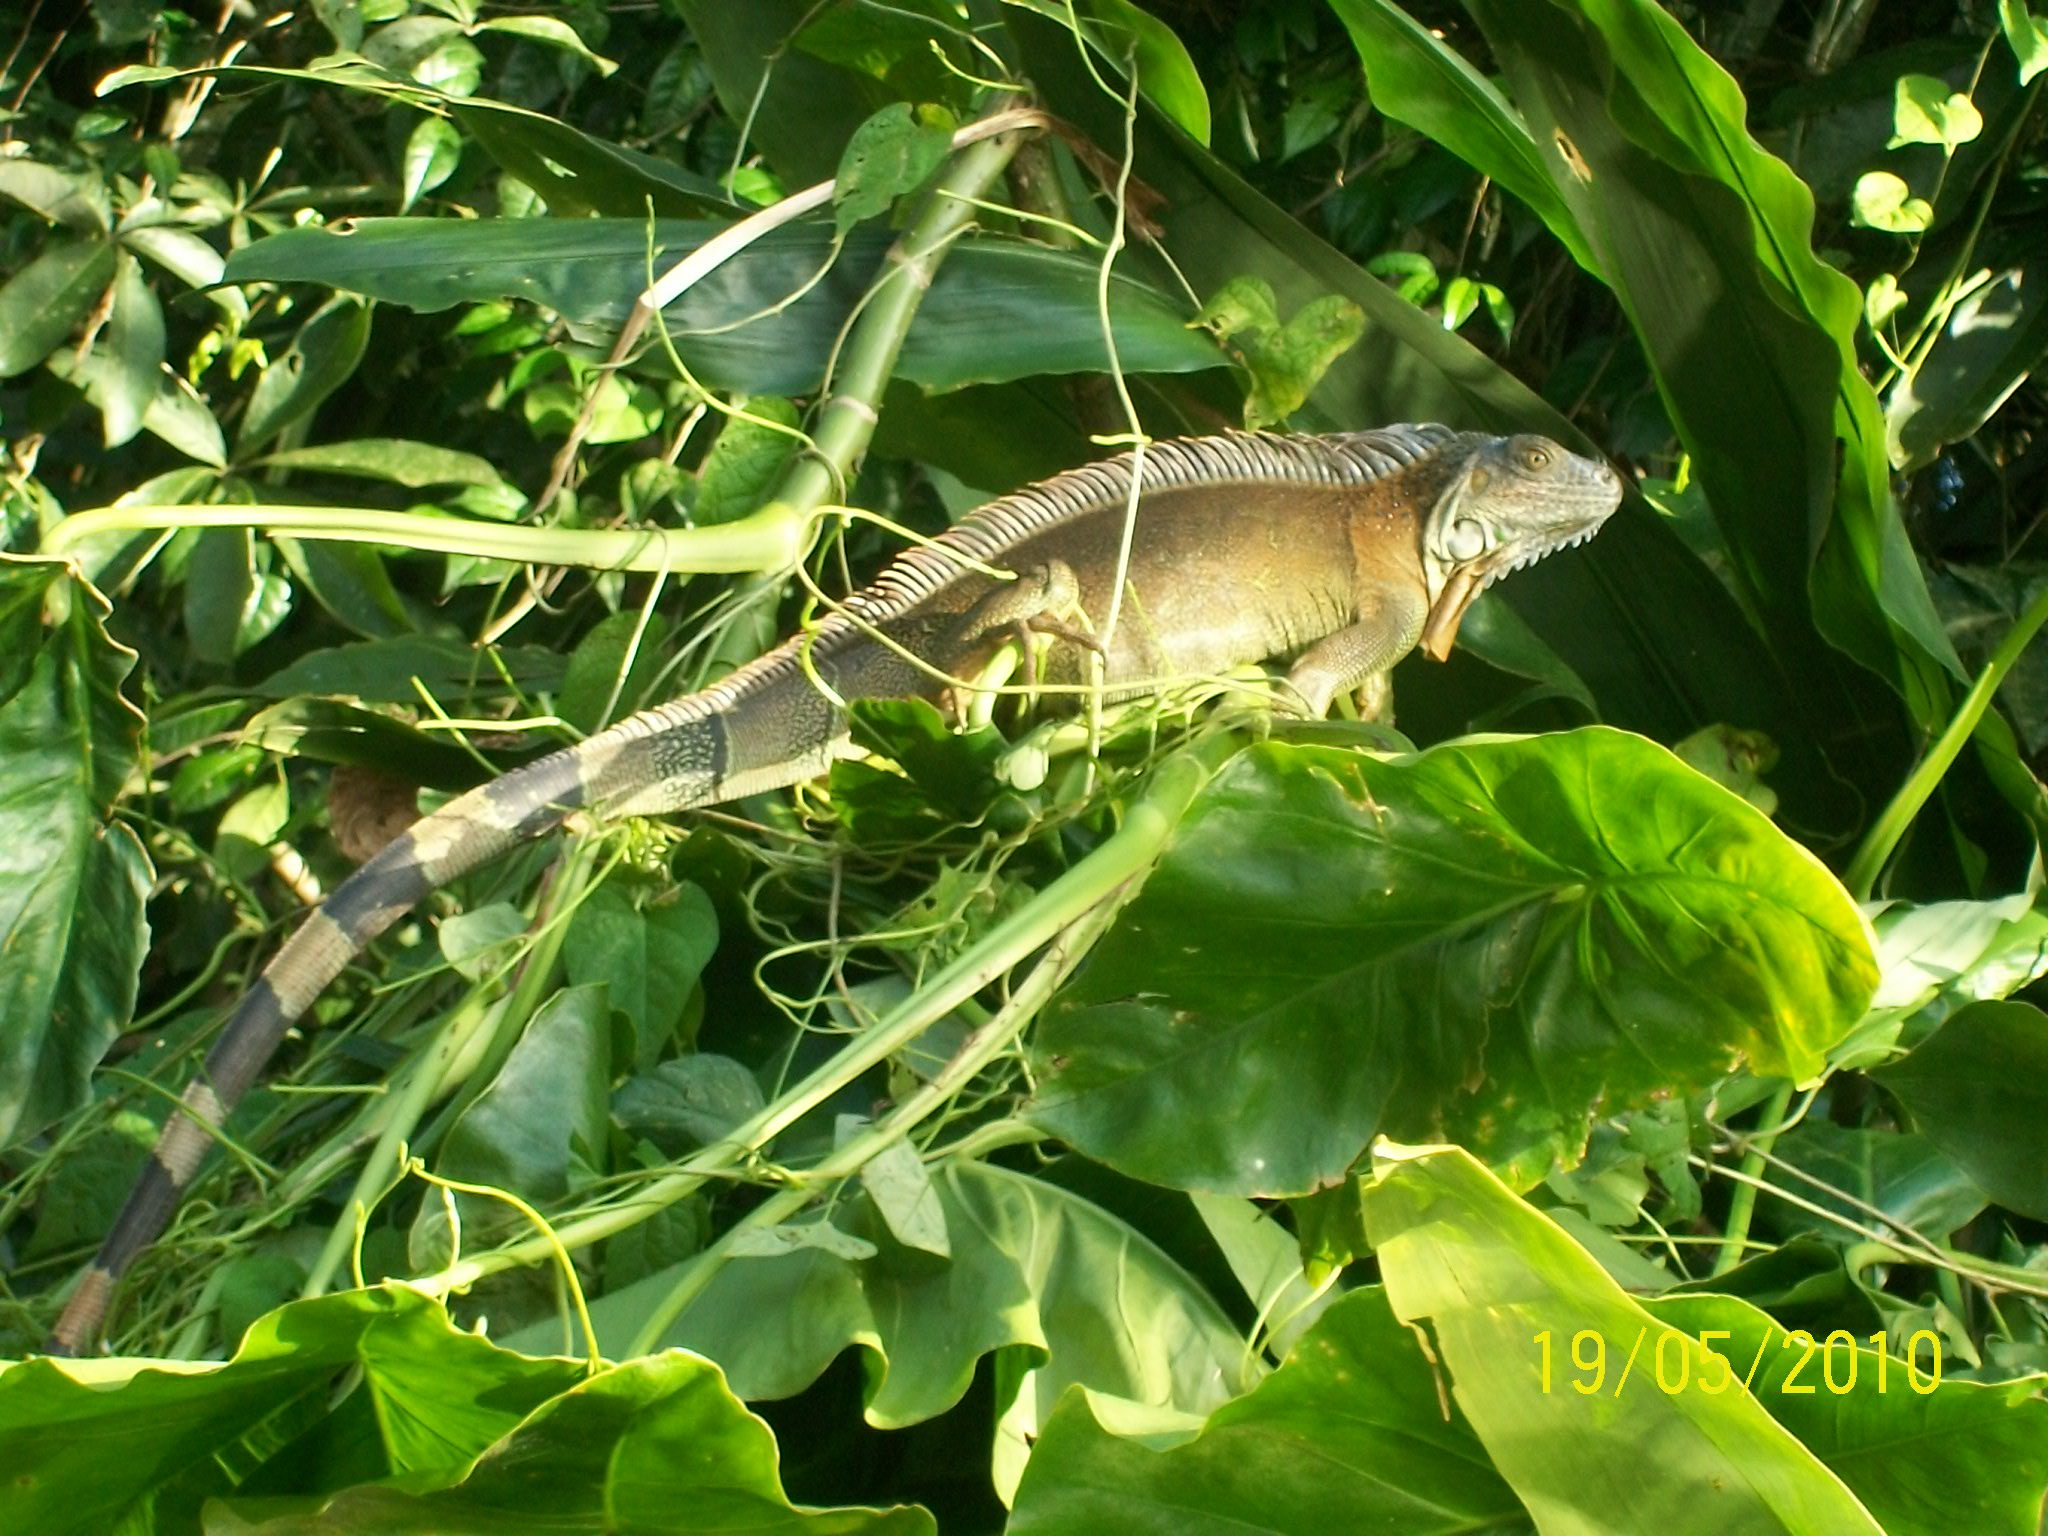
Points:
(1511, 502)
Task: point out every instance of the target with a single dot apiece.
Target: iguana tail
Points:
(694, 751)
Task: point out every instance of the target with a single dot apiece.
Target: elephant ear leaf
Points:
(1475, 943)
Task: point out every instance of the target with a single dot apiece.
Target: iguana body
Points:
(1343, 551)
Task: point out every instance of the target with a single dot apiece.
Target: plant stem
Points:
(1890, 826)
(1742, 1204)
(980, 1048)
(1098, 878)
(847, 419)
(431, 1071)
(771, 539)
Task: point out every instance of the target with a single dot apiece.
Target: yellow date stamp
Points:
(1671, 1361)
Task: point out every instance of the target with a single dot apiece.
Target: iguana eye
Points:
(1534, 457)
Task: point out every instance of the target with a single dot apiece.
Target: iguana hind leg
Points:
(1043, 601)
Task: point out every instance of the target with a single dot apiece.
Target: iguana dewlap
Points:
(1342, 552)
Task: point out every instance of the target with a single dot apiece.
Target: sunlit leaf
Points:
(1047, 1270)
(2028, 35)
(1357, 1400)
(1925, 111)
(49, 298)
(1884, 201)
(1470, 942)
(1556, 1369)
(887, 157)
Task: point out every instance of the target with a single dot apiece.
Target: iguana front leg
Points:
(1361, 656)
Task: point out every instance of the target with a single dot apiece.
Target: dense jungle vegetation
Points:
(1611, 1097)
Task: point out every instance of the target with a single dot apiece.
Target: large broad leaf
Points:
(370, 1411)
(1357, 1401)
(658, 1444)
(999, 308)
(72, 883)
(1978, 1089)
(1486, 941)
(1034, 1266)
(1904, 1437)
(42, 303)
(1688, 1412)
(1556, 1368)
(85, 1443)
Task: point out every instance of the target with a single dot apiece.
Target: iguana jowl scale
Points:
(1344, 552)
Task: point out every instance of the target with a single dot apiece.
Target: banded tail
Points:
(691, 752)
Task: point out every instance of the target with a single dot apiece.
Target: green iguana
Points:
(1345, 552)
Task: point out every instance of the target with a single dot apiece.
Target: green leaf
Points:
(321, 358)
(186, 257)
(229, 604)
(1902, 1446)
(1924, 111)
(353, 583)
(48, 299)
(1754, 352)
(2028, 35)
(123, 371)
(1470, 942)
(73, 199)
(455, 68)
(180, 418)
(1357, 1401)
(522, 1133)
(1993, 341)
(89, 1442)
(888, 157)
(432, 152)
(72, 882)
(999, 308)
(1048, 1271)
(1494, 1280)
(1938, 957)
(1905, 1176)
(651, 956)
(1884, 201)
(579, 174)
(744, 460)
(554, 33)
(1121, 33)
(652, 1445)
(688, 1102)
(249, 826)
(1415, 78)
(900, 1186)
(1978, 1089)
(477, 942)
(1286, 362)
(395, 460)
(382, 672)
(130, 353)
(614, 668)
